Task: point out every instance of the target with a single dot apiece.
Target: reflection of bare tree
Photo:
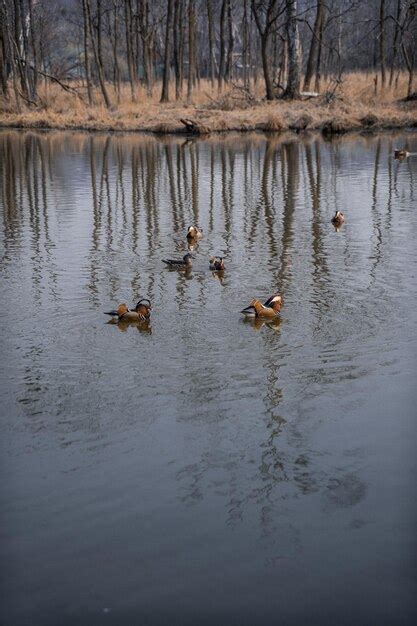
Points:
(120, 200)
(390, 183)
(49, 245)
(105, 193)
(11, 213)
(211, 205)
(375, 216)
(227, 182)
(194, 161)
(290, 181)
(269, 172)
(97, 216)
(319, 255)
(264, 211)
(134, 164)
(176, 222)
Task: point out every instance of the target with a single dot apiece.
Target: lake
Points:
(204, 470)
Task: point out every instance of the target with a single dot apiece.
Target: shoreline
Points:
(355, 128)
(298, 116)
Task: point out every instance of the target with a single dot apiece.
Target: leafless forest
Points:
(108, 52)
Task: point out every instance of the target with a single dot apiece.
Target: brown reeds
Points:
(353, 105)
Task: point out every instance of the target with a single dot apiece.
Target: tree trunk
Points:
(99, 46)
(177, 37)
(4, 49)
(211, 41)
(191, 48)
(116, 69)
(245, 43)
(266, 69)
(317, 83)
(264, 32)
(86, 55)
(34, 46)
(19, 49)
(314, 45)
(146, 36)
(129, 49)
(293, 83)
(222, 44)
(409, 57)
(181, 26)
(382, 42)
(229, 63)
(167, 55)
(97, 60)
(395, 42)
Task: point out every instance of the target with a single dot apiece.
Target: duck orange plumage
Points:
(269, 309)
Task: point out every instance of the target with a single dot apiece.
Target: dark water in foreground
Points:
(205, 471)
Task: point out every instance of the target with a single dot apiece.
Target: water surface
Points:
(204, 470)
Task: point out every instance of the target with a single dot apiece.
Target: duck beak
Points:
(112, 313)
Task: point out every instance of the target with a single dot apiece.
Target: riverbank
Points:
(353, 106)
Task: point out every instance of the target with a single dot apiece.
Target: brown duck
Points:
(141, 312)
(270, 309)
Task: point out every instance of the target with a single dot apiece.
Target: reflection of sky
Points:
(207, 436)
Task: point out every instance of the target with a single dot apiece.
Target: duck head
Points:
(144, 302)
(216, 263)
(194, 232)
(338, 217)
(275, 302)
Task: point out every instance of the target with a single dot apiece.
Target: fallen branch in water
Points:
(194, 127)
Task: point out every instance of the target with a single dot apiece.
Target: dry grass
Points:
(356, 106)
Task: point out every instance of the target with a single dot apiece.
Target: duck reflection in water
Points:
(143, 326)
(192, 244)
(219, 275)
(258, 322)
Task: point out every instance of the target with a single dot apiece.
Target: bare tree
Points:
(129, 54)
(265, 16)
(222, 44)
(191, 48)
(86, 54)
(96, 57)
(293, 82)
(382, 42)
(167, 56)
(316, 41)
(395, 42)
(211, 41)
(178, 47)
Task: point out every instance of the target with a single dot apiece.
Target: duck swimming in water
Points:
(270, 309)
(216, 263)
(401, 154)
(180, 264)
(338, 218)
(141, 312)
(194, 233)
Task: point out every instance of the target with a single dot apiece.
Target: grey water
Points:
(200, 469)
